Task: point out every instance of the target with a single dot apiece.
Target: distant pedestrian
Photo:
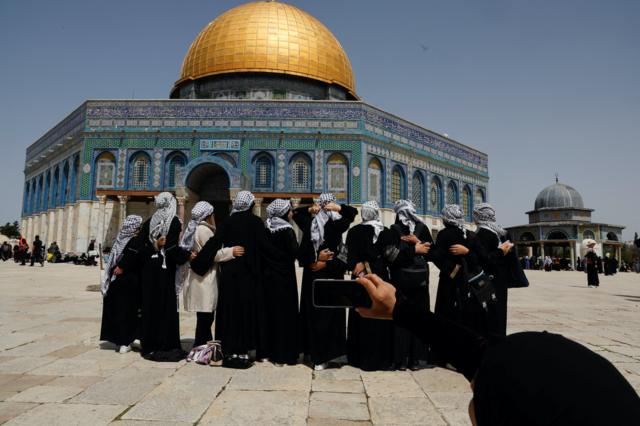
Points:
(37, 252)
(591, 263)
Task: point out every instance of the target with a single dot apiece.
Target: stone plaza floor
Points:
(53, 371)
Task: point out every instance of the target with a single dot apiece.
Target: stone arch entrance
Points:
(209, 182)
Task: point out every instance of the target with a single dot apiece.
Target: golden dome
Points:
(268, 36)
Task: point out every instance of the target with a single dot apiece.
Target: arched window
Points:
(611, 236)
(263, 171)
(300, 173)
(174, 167)
(139, 171)
(588, 234)
(374, 178)
(479, 197)
(452, 193)
(435, 195)
(105, 170)
(25, 197)
(54, 188)
(337, 173)
(466, 203)
(398, 184)
(417, 191)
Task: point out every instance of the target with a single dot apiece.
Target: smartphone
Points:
(340, 294)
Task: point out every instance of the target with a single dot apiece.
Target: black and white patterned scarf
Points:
(199, 213)
(243, 202)
(161, 219)
(371, 216)
(130, 228)
(275, 211)
(453, 215)
(485, 217)
(406, 212)
(320, 220)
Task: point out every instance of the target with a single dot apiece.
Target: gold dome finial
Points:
(271, 37)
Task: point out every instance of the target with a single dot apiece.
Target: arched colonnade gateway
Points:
(282, 120)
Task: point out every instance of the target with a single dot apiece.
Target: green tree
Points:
(11, 230)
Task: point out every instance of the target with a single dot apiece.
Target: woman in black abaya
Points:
(281, 288)
(408, 259)
(160, 255)
(591, 263)
(323, 330)
(491, 236)
(121, 288)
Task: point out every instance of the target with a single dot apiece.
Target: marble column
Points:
(181, 200)
(102, 200)
(123, 208)
(572, 247)
(542, 250)
(257, 207)
(83, 233)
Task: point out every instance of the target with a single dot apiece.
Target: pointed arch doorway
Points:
(209, 182)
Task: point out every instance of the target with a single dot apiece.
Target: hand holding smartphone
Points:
(340, 294)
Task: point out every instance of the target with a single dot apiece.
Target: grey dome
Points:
(558, 195)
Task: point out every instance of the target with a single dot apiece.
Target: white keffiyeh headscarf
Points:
(406, 212)
(243, 202)
(371, 216)
(485, 217)
(453, 215)
(199, 213)
(161, 219)
(130, 227)
(320, 220)
(275, 211)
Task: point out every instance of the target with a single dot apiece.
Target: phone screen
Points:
(340, 294)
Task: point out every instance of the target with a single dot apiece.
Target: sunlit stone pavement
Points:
(53, 371)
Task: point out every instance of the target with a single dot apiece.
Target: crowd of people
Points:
(21, 252)
(242, 273)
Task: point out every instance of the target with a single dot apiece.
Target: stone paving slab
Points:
(183, 397)
(125, 387)
(9, 410)
(46, 393)
(339, 406)
(258, 408)
(55, 355)
(68, 415)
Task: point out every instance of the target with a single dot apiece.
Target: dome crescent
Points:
(271, 37)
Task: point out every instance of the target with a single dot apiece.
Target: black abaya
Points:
(323, 335)
(241, 323)
(591, 259)
(448, 300)
(495, 264)
(369, 341)
(408, 350)
(120, 306)
(160, 331)
(281, 299)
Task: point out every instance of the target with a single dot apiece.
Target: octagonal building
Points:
(266, 101)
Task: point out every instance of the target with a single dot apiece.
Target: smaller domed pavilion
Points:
(558, 225)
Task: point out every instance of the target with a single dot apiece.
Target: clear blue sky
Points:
(541, 86)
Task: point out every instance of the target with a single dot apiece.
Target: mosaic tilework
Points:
(319, 168)
(157, 168)
(181, 114)
(122, 168)
(281, 167)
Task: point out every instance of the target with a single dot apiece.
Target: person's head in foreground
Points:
(524, 379)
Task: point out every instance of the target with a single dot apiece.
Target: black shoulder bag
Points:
(476, 288)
